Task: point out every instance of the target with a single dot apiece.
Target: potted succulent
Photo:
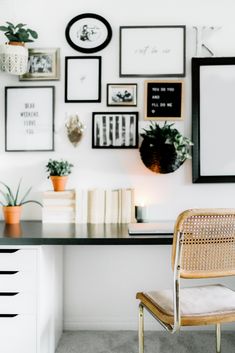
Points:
(58, 172)
(12, 205)
(14, 55)
(164, 149)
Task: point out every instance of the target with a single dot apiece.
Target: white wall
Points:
(167, 195)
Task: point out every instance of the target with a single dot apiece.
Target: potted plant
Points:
(164, 149)
(14, 55)
(58, 172)
(12, 205)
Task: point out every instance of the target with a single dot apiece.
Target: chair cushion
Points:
(196, 301)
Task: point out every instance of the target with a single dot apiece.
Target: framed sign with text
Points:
(163, 100)
(152, 51)
(29, 118)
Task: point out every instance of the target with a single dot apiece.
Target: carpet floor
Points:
(155, 342)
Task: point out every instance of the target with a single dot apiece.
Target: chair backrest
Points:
(207, 243)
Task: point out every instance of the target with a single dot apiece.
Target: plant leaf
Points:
(9, 190)
(4, 28)
(25, 195)
(17, 192)
(34, 201)
(33, 33)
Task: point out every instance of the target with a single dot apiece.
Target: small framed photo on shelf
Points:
(43, 65)
(122, 94)
(152, 51)
(82, 79)
(163, 100)
(29, 114)
(115, 130)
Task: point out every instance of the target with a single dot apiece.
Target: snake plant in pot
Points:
(12, 203)
(164, 149)
(58, 172)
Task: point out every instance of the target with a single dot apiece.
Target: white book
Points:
(61, 195)
(119, 206)
(84, 206)
(96, 206)
(126, 206)
(58, 202)
(78, 205)
(114, 209)
(108, 207)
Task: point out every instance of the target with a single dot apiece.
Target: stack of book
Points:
(59, 207)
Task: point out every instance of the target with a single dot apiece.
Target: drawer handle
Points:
(8, 294)
(8, 272)
(8, 315)
(8, 251)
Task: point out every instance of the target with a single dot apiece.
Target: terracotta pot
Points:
(12, 214)
(59, 182)
(22, 44)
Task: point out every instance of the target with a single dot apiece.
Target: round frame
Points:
(88, 35)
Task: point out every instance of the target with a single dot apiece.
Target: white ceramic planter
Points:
(13, 59)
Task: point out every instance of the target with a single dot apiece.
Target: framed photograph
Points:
(213, 123)
(163, 100)
(29, 118)
(115, 130)
(148, 51)
(88, 33)
(82, 79)
(122, 94)
(43, 64)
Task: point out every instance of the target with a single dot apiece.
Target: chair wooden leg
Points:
(218, 338)
(141, 328)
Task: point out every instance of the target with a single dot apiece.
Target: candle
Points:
(140, 213)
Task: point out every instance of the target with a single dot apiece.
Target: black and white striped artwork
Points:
(115, 130)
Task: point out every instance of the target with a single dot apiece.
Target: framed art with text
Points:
(29, 118)
(115, 130)
(148, 51)
(88, 33)
(122, 94)
(43, 65)
(163, 100)
(82, 79)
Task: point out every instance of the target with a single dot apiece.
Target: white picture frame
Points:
(29, 118)
(152, 51)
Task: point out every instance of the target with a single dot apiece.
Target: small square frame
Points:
(122, 94)
(115, 130)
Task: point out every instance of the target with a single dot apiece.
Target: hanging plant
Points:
(75, 129)
(164, 149)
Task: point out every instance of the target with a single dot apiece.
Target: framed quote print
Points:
(152, 51)
(82, 79)
(29, 118)
(164, 100)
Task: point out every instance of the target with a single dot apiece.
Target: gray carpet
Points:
(155, 342)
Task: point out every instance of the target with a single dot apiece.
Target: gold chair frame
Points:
(203, 247)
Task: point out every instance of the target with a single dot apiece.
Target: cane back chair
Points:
(203, 247)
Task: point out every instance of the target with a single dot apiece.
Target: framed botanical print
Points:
(115, 130)
(43, 65)
(29, 118)
(122, 94)
(82, 79)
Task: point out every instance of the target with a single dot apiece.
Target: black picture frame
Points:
(157, 51)
(83, 79)
(163, 100)
(115, 130)
(29, 118)
(213, 80)
(93, 38)
(122, 94)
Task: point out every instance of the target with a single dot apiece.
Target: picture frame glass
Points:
(121, 94)
(115, 130)
(29, 118)
(155, 50)
(43, 64)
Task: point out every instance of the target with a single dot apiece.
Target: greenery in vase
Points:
(11, 199)
(58, 168)
(166, 134)
(18, 33)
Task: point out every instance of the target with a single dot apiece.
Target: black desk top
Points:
(37, 233)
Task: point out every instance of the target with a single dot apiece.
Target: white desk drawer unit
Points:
(18, 300)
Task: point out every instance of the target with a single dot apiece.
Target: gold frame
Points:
(176, 118)
(44, 76)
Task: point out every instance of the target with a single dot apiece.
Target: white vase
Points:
(13, 59)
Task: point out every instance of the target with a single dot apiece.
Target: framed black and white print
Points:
(82, 79)
(163, 100)
(122, 94)
(88, 33)
(148, 51)
(115, 130)
(43, 65)
(29, 118)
